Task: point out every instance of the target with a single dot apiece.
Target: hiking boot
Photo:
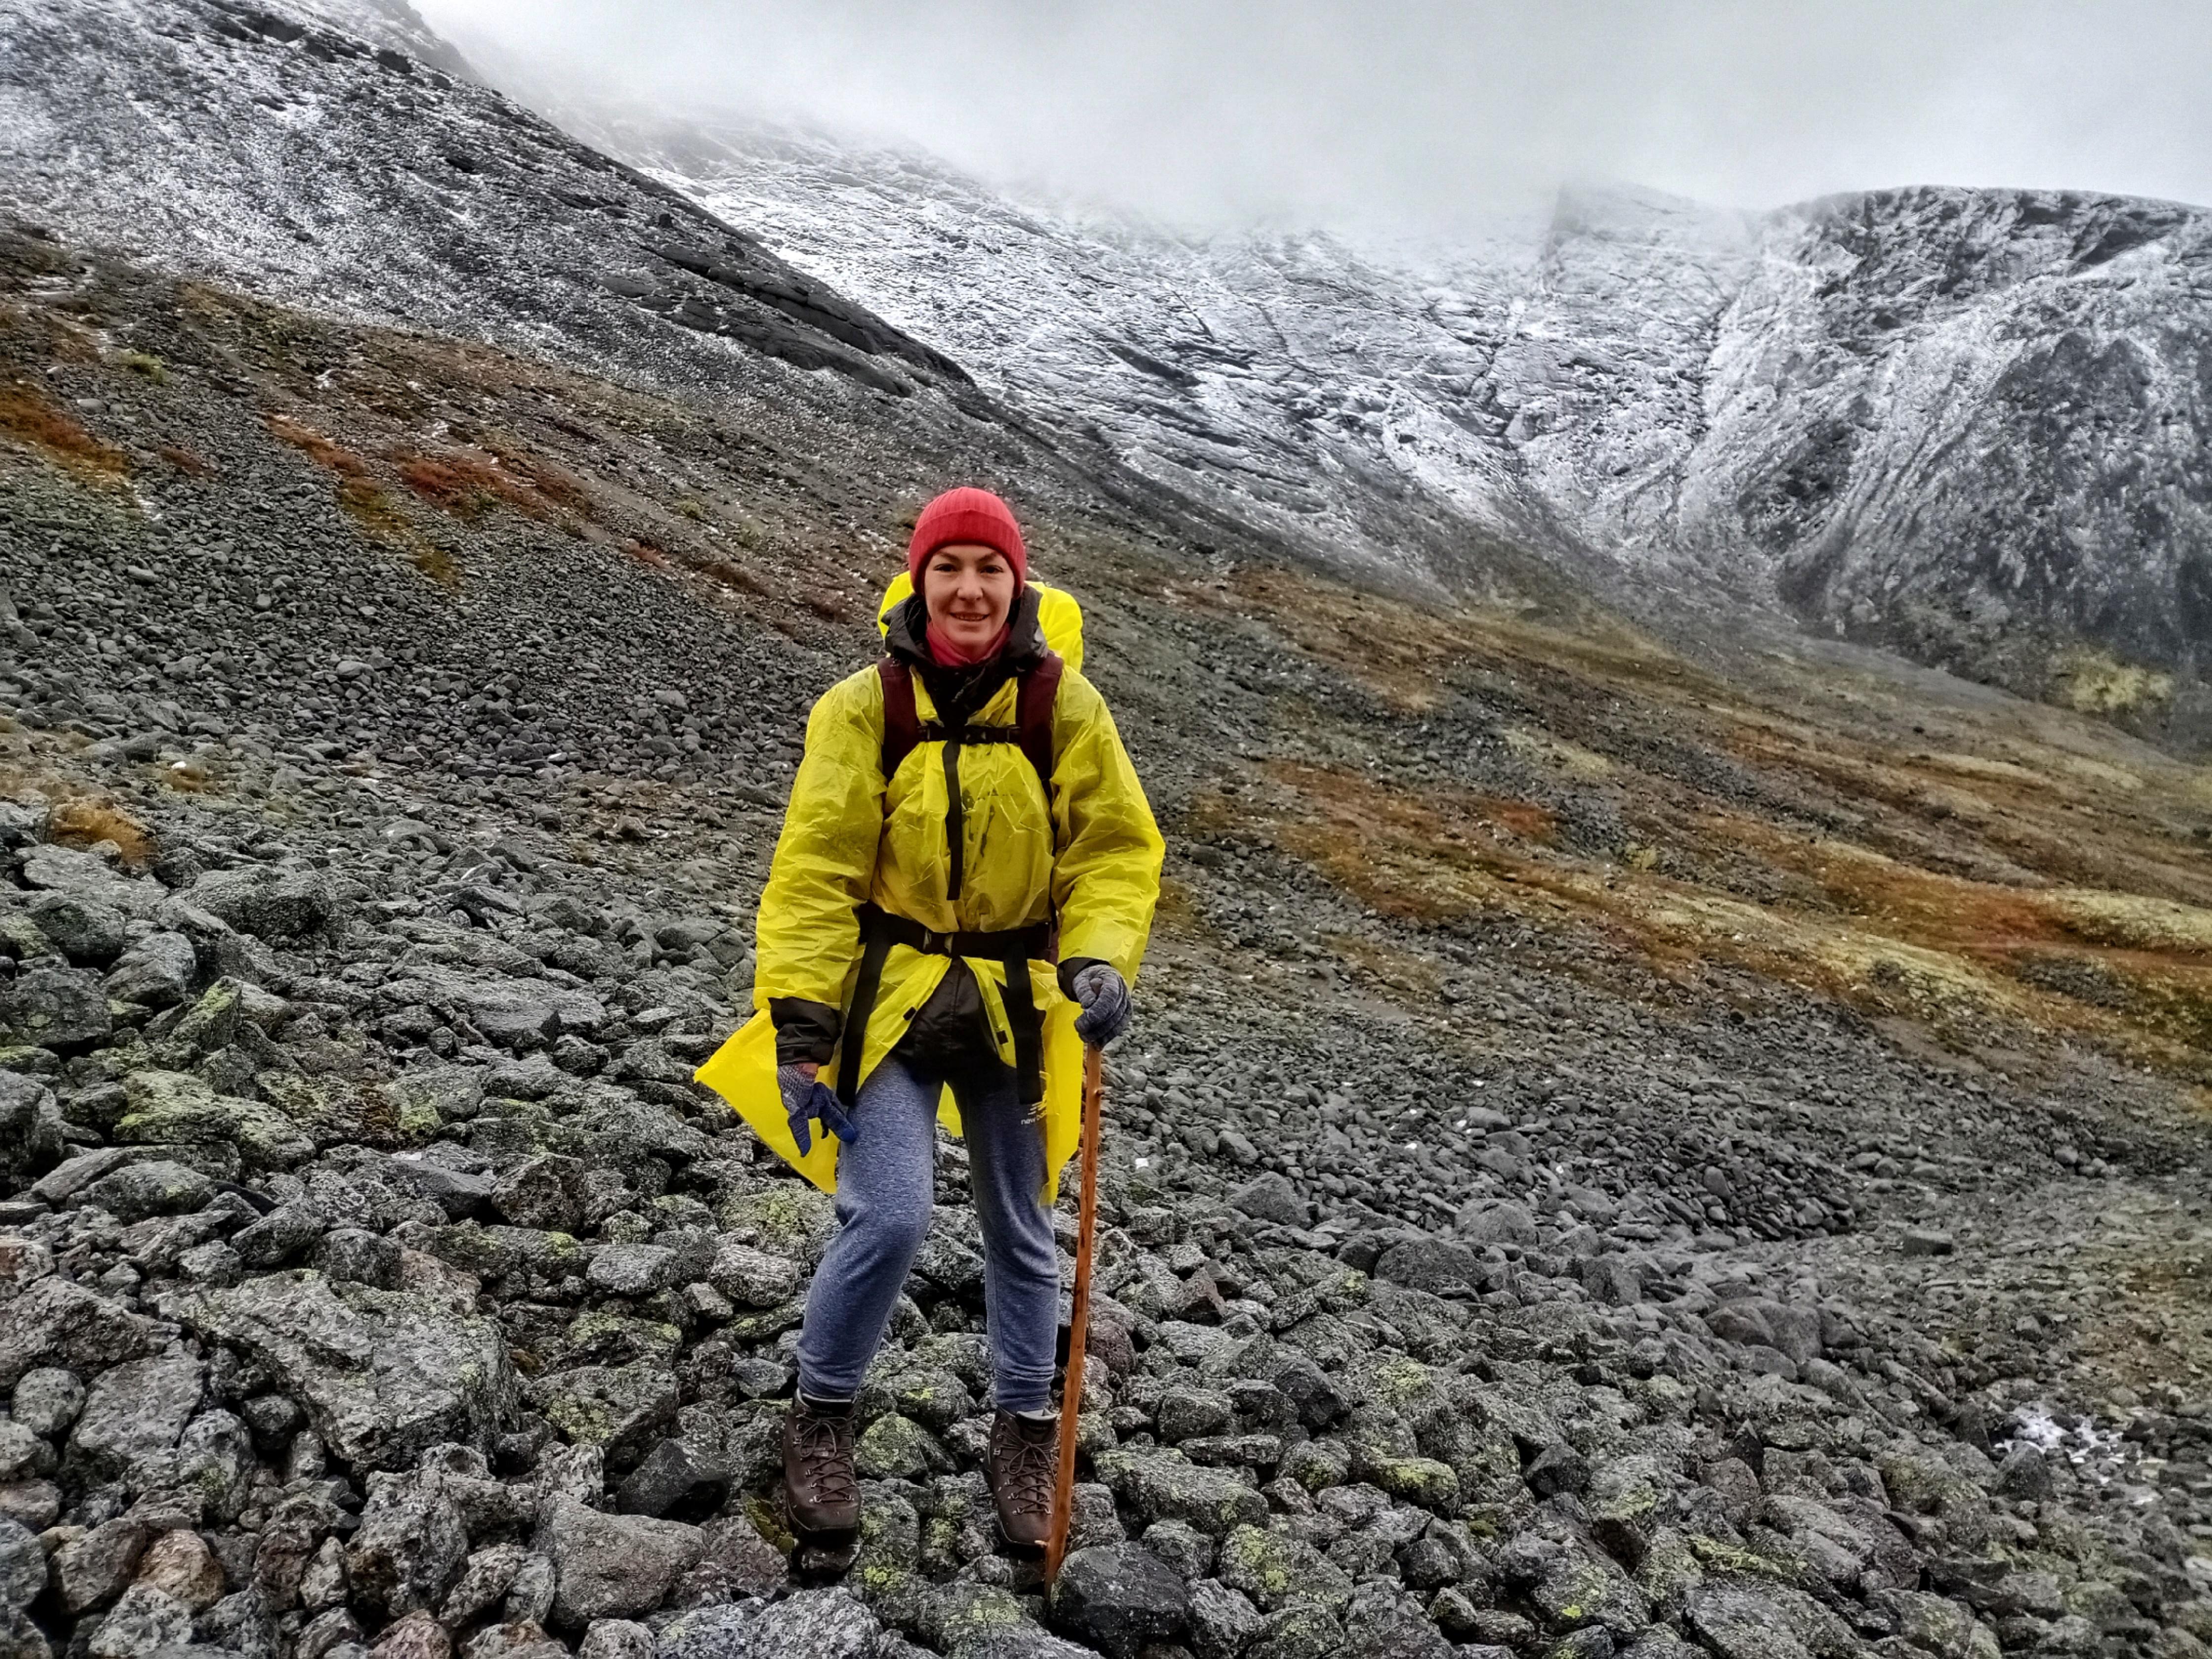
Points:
(1022, 1464)
(823, 1488)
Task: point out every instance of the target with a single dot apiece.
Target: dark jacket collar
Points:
(904, 637)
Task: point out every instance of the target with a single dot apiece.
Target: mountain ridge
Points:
(1787, 411)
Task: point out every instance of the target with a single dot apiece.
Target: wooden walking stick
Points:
(1079, 1318)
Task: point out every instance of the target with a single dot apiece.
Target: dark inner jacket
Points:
(949, 1033)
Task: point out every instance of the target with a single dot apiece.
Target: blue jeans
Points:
(885, 1187)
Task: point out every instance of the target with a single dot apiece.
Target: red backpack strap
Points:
(1033, 708)
(901, 723)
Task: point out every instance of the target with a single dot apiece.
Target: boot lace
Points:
(824, 1445)
(1029, 1469)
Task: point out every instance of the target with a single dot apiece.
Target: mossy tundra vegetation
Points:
(1641, 1138)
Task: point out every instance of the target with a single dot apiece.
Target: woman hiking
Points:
(958, 902)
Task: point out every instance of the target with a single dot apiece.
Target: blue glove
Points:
(1104, 996)
(806, 1098)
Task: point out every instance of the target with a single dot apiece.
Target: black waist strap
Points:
(1015, 947)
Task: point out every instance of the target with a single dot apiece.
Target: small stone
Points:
(1187, 1552)
(752, 1277)
(418, 1636)
(632, 1270)
(1223, 1621)
(153, 1187)
(50, 1005)
(615, 1638)
(47, 1401)
(1271, 1198)
(180, 1563)
(22, 1567)
(157, 972)
(86, 931)
(89, 1570)
(285, 1233)
(356, 1254)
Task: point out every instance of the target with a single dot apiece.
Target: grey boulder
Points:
(611, 1567)
(384, 1374)
(1118, 1597)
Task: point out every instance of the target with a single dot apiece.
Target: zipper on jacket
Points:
(956, 825)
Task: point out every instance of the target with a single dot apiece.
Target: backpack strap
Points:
(1038, 694)
(901, 723)
(1039, 690)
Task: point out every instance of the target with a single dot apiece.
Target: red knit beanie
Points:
(967, 514)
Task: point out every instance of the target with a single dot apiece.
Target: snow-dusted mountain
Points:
(1969, 424)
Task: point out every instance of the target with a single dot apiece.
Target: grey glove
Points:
(1104, 995)
(806, 1098)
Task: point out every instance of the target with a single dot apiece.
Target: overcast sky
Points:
(1422, 113)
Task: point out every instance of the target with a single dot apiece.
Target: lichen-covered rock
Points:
(544, 1192)
(632, 1270)
(82, 928)
(1275, 1570)
(673, 1476)
(610, 1407)
(789, 1220)
(1164, 1485)
(277, 1237)
(169, 1108)
(896, 1448)
(708, 1632)
(1739, 1622)
(385, 1375)
(1580, 1587)
(1625, 1502)
(1301, 1630)
(615, 1638)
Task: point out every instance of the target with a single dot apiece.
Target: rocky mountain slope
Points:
(1623, 1153)
(1970, 425)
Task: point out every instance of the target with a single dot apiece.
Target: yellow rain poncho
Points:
(1089, 858)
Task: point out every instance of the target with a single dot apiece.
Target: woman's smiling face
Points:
(968, 589)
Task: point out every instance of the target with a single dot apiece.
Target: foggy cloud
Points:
(1420, 114)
